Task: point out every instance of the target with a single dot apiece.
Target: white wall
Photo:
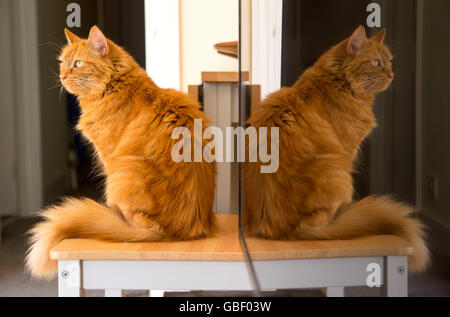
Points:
(181, 34)
(162, 43)
(204, 23)
(267, 16)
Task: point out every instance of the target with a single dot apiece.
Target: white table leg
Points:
(114, 293)
(69, 279)
(334, 291)
(156, 293)
(395, 276)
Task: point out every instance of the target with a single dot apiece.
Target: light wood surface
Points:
(224, 77)
(255, 97)
(193, 92)
(226, 247)
(228, 48)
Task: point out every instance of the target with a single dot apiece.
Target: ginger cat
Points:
(323, 119)
(129, 120)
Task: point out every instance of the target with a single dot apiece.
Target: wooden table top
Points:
(224, 77)
(226, 247)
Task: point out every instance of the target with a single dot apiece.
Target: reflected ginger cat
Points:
(129, 120)
(322, 120)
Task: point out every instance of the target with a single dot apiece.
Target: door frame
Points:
(26, 66)
(267, 24)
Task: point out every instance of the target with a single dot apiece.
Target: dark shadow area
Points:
(69, 163)
(386, 162)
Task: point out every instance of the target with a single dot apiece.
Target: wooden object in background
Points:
(228, 48)
(193, 91)
(220, 100)
(254, 95)
(221, 106)
(224, 77)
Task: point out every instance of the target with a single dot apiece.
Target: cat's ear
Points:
(357, 41)
(97, 41)
(379, 37)
(71, 38)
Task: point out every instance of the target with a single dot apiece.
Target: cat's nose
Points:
(391, 75)
(62, 77)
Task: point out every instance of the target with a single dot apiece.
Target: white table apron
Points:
(331, 274)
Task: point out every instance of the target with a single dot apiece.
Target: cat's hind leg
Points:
(329, 188)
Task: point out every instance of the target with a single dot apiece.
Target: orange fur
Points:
(323, 119)
(129, 120)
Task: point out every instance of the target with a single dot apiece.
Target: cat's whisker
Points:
(61, 92)
(54, 87)
(56, 80)
(56, 46)
(367, 82)
(56, 84)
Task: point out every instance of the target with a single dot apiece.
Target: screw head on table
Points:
(65, 274)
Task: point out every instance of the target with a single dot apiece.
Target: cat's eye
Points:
(376, 62)
(78, 64)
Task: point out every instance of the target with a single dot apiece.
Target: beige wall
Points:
(203, 23)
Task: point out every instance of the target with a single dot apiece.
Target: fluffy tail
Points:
(376, 215)
(79, 219)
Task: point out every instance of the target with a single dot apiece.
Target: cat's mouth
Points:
(67, 85)
(388, 82)
(63, 79)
